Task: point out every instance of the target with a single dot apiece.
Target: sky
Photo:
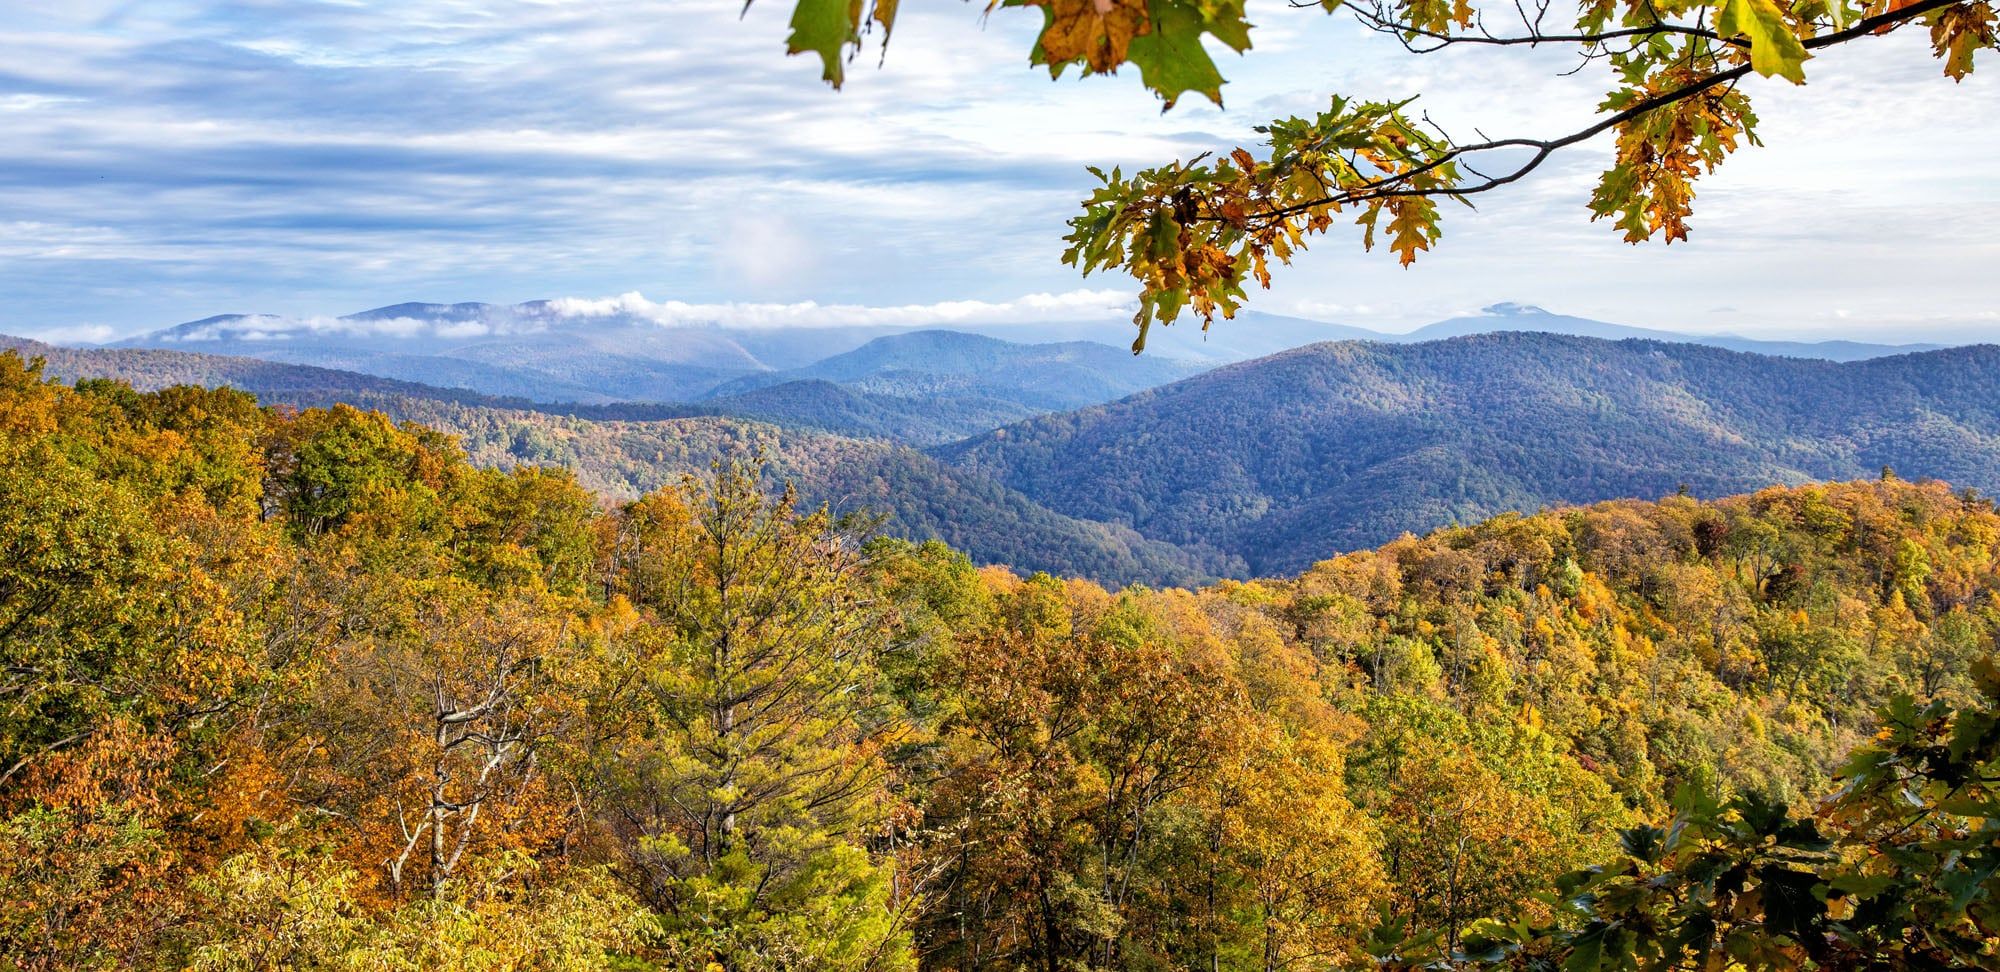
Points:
(164, 161)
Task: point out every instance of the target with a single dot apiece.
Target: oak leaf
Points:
(1097, 32)
(1774, 48)
(826, 28)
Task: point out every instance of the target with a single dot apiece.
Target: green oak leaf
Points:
(826, 28)
(1774, 49)
(1172, 60)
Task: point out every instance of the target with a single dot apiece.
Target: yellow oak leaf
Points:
(1096, 32)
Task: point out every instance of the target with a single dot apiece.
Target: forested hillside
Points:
(917, 413)
(1347, 445)
(623, 450)
(912, 494)
(953, 364)
(310, 690)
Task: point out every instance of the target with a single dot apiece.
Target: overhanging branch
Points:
(1397, 184)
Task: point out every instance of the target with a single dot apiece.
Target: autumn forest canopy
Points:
(305, 689)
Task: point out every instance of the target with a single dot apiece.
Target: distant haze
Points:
(1089, 314)
(749, 337)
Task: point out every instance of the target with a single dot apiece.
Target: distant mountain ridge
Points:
(920, 419)
(558, 351)
(1041, 377)
(529, 350)
(951, 383)
(1287, 459)
(1511, 317)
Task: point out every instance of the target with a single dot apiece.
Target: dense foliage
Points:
(308, 690)
(1339, 446)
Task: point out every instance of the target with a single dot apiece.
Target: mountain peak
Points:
(462, 311)
(1508, 308)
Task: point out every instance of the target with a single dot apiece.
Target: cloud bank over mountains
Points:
(271, 327)
(1068, 306)
(458, 322)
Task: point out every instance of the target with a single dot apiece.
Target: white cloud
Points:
(463, 329)
(73, 334)
(502, 320)
(1075, 305)
(275, 327)
(765, 253)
